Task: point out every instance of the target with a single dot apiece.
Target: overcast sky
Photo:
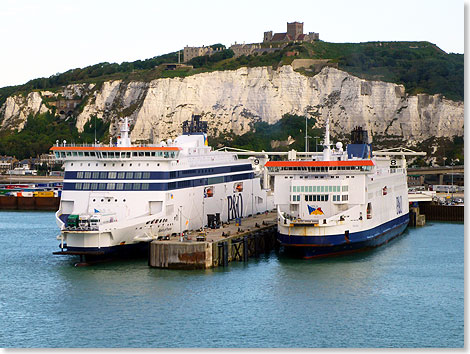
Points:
(41, 38)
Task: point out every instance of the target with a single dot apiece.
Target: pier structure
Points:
(29, 203)
(237, 241)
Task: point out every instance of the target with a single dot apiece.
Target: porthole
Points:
(88, 164)
(94, 200)
(113, 165)
(130, 164)
(71, 164)
(122, 164)
(104, 164)
(102, 199)
(124, 200)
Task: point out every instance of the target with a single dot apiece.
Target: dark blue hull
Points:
(324, 246)
(120, 251)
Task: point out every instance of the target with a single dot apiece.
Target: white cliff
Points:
(16, 109)
(232, 100)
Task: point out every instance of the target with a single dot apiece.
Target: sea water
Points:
(408, 293)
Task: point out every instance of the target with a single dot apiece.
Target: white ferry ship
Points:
(340, 201)
(119, 197)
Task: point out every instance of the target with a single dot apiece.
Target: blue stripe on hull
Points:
(322, 246)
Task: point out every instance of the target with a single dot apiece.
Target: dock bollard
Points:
(225, 253)
(245, 249)
(256, 240)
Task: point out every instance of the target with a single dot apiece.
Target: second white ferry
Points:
(341, 201)
(119, 197)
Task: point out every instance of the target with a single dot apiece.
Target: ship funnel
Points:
(359, 147)
(194, 126)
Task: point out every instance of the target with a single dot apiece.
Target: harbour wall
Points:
(29, 203)
(436, 212)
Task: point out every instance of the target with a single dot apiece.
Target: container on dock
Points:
(44, 194)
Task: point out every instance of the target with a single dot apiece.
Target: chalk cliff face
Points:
(16, 109)
(231, 100)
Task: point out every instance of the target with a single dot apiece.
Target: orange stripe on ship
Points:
(319, 163)
(112, 148)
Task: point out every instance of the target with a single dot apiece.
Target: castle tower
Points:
(268, 36)
(294, 29)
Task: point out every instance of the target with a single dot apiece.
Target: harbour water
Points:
(409, 293)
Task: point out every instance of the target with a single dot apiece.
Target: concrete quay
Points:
(231, 242)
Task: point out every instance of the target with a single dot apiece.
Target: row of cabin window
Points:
(316, 197)
(321, 169)
(171, 185)
(321, 189)
(112, 186)
(320, 198)
(133, 175)
(113, 175)
(117, 155)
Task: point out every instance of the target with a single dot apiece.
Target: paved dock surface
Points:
(229, 230)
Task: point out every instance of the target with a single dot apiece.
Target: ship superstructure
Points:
(340, 201)
(124, 195)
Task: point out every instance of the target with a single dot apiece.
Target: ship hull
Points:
(338, 244)
(120, 251)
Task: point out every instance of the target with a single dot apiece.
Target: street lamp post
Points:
(452, 163)
(316, 142)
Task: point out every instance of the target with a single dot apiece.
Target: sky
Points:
(42, 38)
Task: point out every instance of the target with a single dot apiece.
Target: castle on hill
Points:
(271, 43)
(295, 32)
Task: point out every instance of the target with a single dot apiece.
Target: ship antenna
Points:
(326, 142)
(95, 129)
(327, 131)
(306, 135)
